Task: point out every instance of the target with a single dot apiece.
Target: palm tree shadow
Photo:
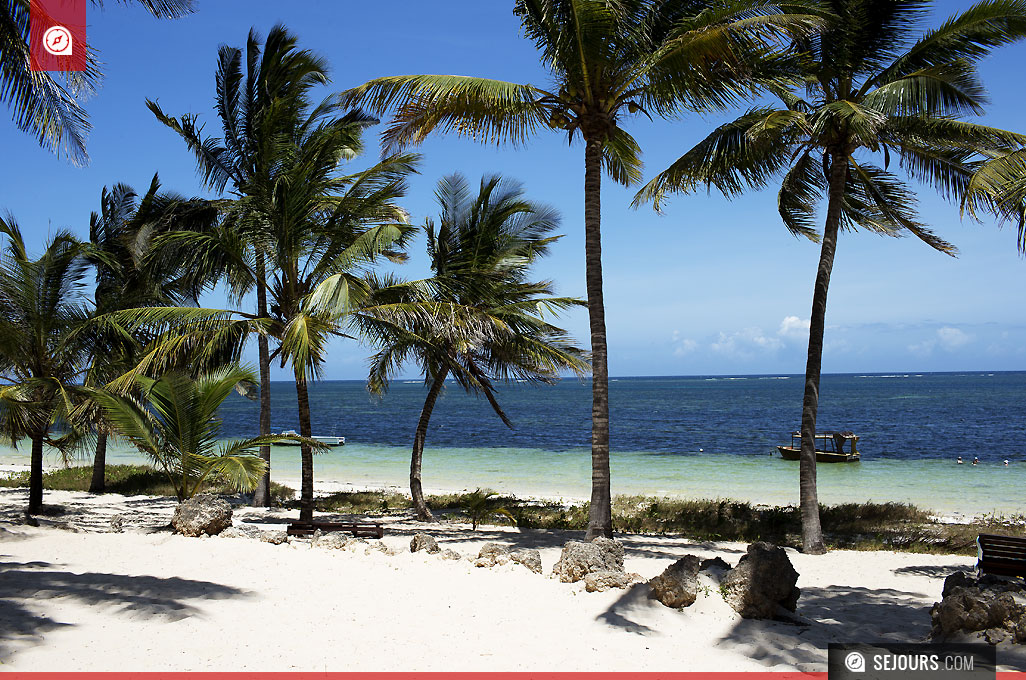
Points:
(939, 571)
(634, 601)
(838, 614)
(26, 587)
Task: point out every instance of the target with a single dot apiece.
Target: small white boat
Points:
(329, 441)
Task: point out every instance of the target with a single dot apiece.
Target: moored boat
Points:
(830, 447)
(327, 441)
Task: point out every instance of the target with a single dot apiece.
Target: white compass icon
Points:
(57, 41)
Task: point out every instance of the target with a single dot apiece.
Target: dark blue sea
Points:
(897, 416)
(698, 436)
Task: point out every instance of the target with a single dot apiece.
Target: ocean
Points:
(694, 436)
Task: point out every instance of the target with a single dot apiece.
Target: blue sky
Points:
(709, 287)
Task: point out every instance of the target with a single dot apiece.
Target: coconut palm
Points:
(329, 230)
(175, 423)
(317, 230)
(607, 61)
(44, 344)
(999, 187)
(256, 104)
(129, 275)
(487, 323)
(871, 91)
(41, 104)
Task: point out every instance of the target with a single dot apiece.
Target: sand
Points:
(74, 597)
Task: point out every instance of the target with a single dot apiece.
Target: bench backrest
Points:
(1001, 555)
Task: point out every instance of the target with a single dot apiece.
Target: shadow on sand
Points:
(837, 614)
(25, 588)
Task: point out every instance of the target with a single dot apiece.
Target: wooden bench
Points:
(1001, 555)
(358, 529)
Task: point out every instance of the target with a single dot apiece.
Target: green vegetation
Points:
(175, 423)
(130, 480)
(857, 526)
(47, 104)
(136, 356)
(607, 63)
(481, 252)
(871, 90)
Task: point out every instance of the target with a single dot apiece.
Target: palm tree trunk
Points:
(812, 530)
(262, 494)
(416, 490)
(306, 494)
(35, 503)
(99, 483)
(600, 520)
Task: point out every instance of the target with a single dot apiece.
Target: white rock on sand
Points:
(80, 600)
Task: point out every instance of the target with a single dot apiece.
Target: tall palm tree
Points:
(489, 325)
(41, 104)
(128, 275)
(256, 104)
(44, 343)
(607, 61)
(329, 230)
(870, 90)
(175, 423)
(318, 231)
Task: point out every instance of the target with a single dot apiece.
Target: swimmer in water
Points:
(960, 461)
(975, 461)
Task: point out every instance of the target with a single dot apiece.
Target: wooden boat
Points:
(830, 447)
(329, 441)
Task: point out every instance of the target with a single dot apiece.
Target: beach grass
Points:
(127, 480)
(857, 526)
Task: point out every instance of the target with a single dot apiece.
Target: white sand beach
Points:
(74, 597)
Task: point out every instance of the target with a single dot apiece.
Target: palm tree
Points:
(175, 423)
(329, 229)
(869, 90)
(607, 61)
(489, 326)
(44, 344)
(40, 104)
(312, 232)
(129, 275)
(999, 187)
(254, 108)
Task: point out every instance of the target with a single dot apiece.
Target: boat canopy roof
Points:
(847, 434)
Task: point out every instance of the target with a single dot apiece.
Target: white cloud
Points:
(745, 344)
(947, 338)
(794, 327)
(952, 338)
(683, 346)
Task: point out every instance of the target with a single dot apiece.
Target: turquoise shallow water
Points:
(912, 427)
(936, 484)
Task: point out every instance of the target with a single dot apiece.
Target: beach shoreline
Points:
(325, 487)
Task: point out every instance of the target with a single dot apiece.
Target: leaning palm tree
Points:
(256, 104)
(870, 90)
(40, 103)
(486, 323)
(44, 344)
(607, 61)
(175, 423)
